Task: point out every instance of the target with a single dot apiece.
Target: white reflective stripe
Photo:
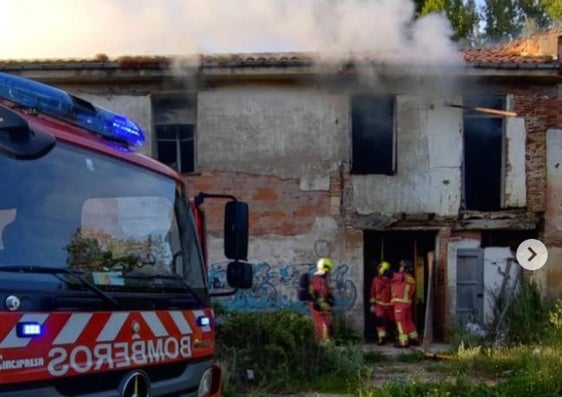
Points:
(199, 313)
(154, 324)
(72, 329)
(181, 322)
(112, 327)
(13, 340)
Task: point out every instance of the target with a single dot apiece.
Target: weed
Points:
(527, 316)
(281, 351)
(280, 348)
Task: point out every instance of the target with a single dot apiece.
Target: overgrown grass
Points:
(280, 351)
(527, 361)
(279, 348)
(514, 372)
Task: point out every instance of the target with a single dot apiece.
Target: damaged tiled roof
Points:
(500, 57)
(538, 50)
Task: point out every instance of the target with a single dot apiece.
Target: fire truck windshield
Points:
(122, 228)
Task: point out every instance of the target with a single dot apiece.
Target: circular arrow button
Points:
(532, 254)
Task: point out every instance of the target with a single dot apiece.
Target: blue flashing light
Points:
(111, 125)
(29, 329)
(35, 95)
(203, 321)
(60, 104)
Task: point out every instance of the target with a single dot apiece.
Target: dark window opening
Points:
(483, 155)
(175, 146)
(174, 131)
(372, 130)
(506, 238)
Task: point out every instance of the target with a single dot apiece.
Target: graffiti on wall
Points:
(276, 288)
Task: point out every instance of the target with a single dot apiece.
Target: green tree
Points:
(503, 19)
(462, 14)
(429, 6)
(554, 9)
(534, 14)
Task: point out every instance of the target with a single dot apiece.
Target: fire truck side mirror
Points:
(236, 230)
(239, 275)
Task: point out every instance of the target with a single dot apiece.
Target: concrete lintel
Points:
(490, 224)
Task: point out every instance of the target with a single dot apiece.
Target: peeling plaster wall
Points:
(278, 261)
(280, 131)
(550, 275)
(289, 133)
(515, 190)
(429, 159)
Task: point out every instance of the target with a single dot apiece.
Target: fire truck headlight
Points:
(27, 330)
(210, 382)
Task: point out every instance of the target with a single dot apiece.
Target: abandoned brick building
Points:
(362, 159)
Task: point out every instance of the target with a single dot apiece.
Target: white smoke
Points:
(85, 28)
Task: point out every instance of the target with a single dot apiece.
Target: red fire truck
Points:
(103, 278)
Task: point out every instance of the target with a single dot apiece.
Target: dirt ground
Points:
(396, 369)
(393, 368)
(419, 370)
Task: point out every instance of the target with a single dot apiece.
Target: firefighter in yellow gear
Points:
(403, 288)
(322, 300)
(381, 307)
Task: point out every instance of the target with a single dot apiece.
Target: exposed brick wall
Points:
(277, 206)
(542, 109)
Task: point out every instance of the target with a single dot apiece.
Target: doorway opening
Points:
(393, 246)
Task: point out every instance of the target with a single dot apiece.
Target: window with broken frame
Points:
(483, 143)
(174, 131)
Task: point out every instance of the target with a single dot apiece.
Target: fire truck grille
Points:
(86, 384)
(74, 386)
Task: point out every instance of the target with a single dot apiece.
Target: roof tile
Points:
(537, 49)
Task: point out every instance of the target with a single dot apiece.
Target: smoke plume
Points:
(85, 28)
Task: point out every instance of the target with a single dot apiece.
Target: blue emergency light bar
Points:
(60, 104)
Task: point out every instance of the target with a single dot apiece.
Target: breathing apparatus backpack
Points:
(304, 287)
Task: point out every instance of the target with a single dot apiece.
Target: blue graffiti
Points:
(277, 288)
(344, 289)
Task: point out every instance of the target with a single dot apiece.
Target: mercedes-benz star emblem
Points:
(136, 384)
